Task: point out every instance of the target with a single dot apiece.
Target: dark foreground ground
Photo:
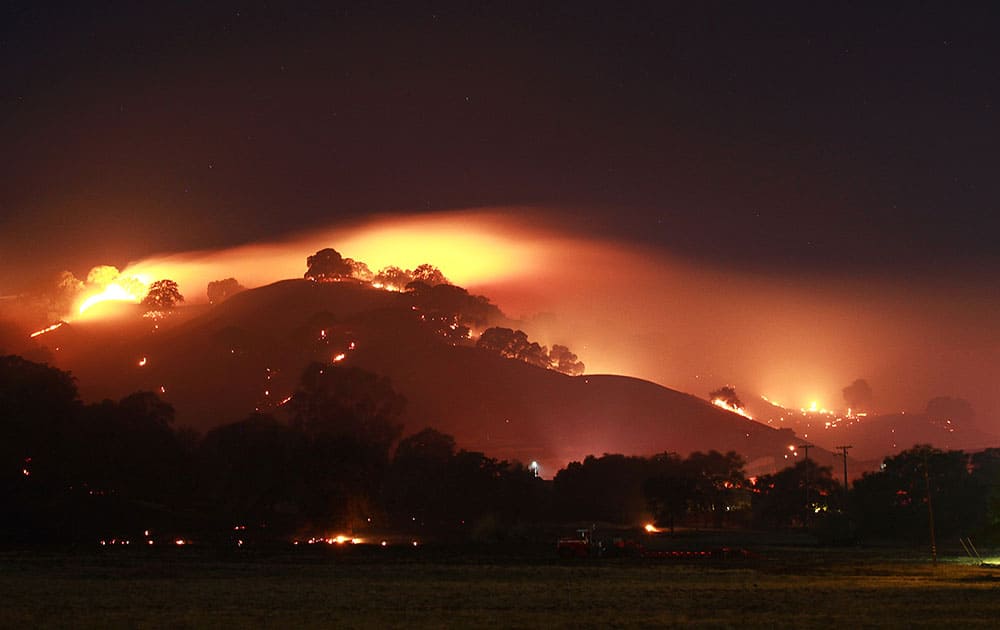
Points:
(782, 587)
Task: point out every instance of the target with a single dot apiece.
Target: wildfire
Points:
(114, 292)
(651, 529)
(815, 408)
(339, 539)
(45, 330)
(718, 402)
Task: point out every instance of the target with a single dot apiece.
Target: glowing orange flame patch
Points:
(45, 330)
(718, 402)
(114, 292)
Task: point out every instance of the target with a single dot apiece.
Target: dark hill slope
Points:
(248, 353)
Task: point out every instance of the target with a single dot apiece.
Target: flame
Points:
(651, 529)
(143, 361)
(339, 539)
(718, 402)
(113, 292)
(45, 330)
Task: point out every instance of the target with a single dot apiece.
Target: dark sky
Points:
(793, 138)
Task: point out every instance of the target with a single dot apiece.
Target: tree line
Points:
(71, 471)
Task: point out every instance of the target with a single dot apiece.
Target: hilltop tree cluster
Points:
(514, 344)
(448, 310)
(328, 265)
(163, 295)
(219, 291)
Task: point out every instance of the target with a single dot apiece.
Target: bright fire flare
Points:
(45, 330)
(114, 292)
(718, 402)
(651, 529)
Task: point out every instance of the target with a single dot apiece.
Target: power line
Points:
(806, 448)
(843, 449)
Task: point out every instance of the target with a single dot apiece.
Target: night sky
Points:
(770, 147)
(789, 138)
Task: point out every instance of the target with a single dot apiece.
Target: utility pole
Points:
(843, 449)
(805, 447)
(930, 511)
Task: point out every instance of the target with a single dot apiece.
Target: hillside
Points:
(221, 363)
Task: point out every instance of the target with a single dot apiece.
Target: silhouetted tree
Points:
(792, 496)
(429, 275)
(607, 488)
(892, 502)
(561, 359)
(351, 419)
(347, 400)
(471, 310)
(392, 278)
(418, 486)
(512, 344)
(858, 395)
(670, 490)
(132, 450)
(253, 472)
(359, 270)
(163, 295)
(38, 408)
(717, 483)
(726, 394)
(506, 342)
(985, 478)
(327, 265)
(221, 290)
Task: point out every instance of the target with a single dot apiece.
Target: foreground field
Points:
(784, 588)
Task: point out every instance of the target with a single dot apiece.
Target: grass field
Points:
(785, 588)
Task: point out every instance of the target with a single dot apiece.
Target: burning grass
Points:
(787, 588)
